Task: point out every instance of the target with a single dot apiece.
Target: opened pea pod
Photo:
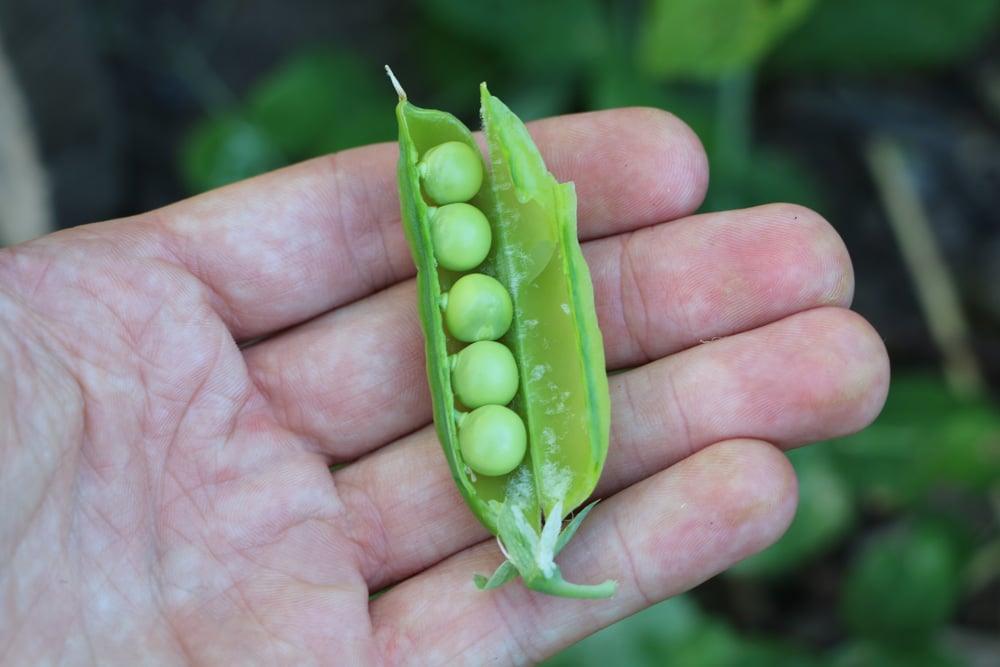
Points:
(515, 359)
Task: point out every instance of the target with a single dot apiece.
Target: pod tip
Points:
(395, 84)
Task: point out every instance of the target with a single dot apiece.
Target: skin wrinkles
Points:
(629, 285)
(366, 246)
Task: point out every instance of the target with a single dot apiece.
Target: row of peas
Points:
(477, 310)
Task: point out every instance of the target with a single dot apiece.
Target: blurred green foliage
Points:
(864, 36)
(927, 436)
(903, 585)
(712, 38)
(697, 58)
(678, 632)
(911, 474)
(319, 101)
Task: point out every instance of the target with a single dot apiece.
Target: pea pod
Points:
(561, 393)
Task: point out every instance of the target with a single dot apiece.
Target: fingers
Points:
(662, 289)
(659, 290)
(658, 538)
(352, 380)
(281, 248)
(812, 376)
(816, 375)
(631, 167)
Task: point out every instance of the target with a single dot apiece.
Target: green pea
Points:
(451, 172)
(478, 307)
(492, 440)
(460, 235)
(485, 372)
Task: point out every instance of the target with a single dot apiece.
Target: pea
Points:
(460, 236)
(492, 440)
(451, 172)
(523, 466)
(478, 307)
(485, 372)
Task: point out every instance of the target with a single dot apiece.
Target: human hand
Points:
(176, 385)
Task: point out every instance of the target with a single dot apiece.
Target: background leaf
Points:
(903, 586)
(554, 35)
(320, 102)
(926, 436)
(317, 102)
(864, 35)
(225, 149)
(709, 38)
(873, 654)
(761, 177)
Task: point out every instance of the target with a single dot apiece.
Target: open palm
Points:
(176, 386)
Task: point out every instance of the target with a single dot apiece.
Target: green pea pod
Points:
(562, 394)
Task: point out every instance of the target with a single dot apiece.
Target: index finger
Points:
(283, 247)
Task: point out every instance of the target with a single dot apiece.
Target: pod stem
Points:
(556, 585)
(531, 554)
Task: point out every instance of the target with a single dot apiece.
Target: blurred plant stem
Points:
(734, 119)
(935, 287)
(729, 142)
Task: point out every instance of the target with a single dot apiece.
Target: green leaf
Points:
(616, 81)
(320, 102)
(861, 35)
(903, 586)
(504, 574)
(678, 632)
(225, 149)
(706, 39)
(551, 35)
(926, 437)
(761, 177)
(570, 530)
(760, 652)
(863, 653)
(676, 628)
